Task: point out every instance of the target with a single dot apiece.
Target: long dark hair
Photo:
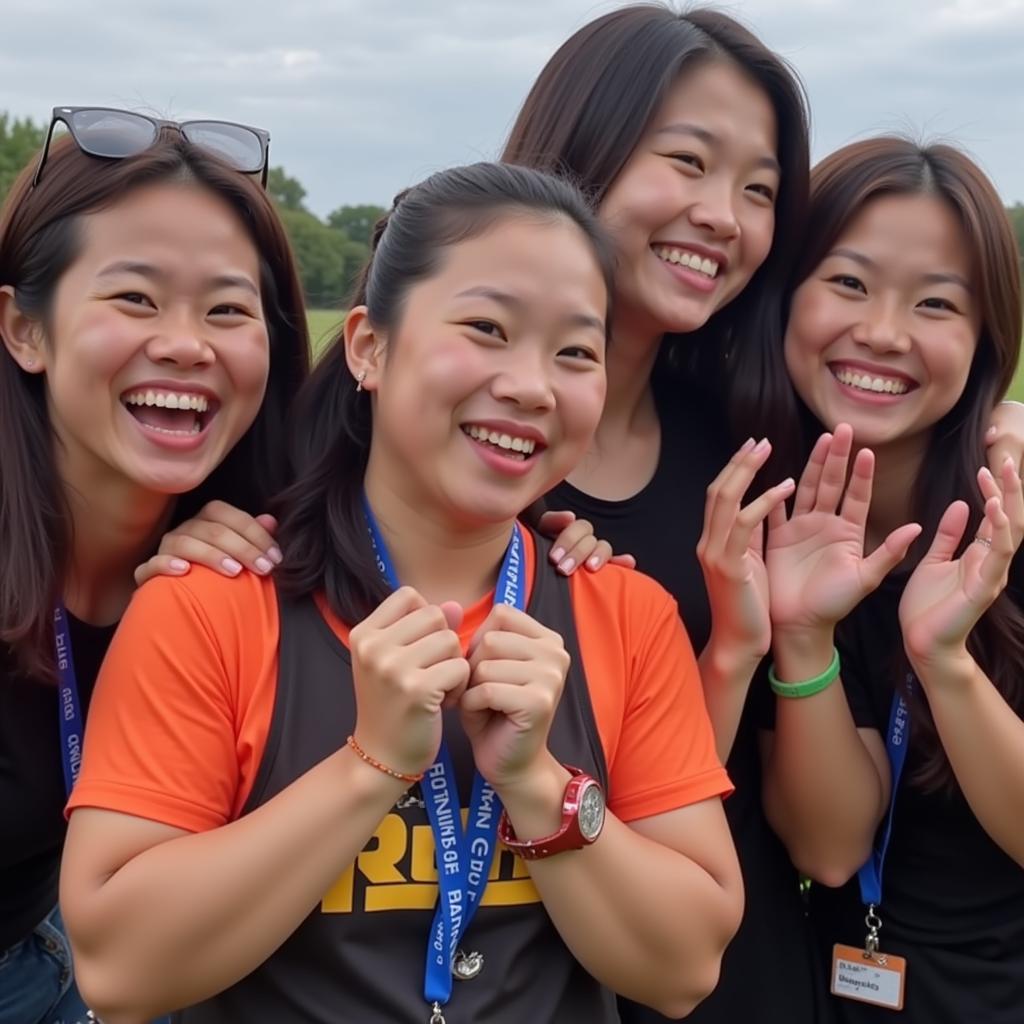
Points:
(590, 107)
(841, 186)
(323, 529)
(39, 240)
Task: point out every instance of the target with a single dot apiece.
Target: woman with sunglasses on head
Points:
(231, 852)
(153, 338)
(904, 331)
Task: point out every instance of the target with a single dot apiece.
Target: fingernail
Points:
(747, 445)
(231, 567)
(275, 555)
(787, 484)
(180, 565)
(594, 562)
(567, 566)
(264, 565)
(761, 445)
(558, 554)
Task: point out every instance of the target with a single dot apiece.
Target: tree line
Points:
(329, 252)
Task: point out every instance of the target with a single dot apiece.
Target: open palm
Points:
(817, 568)
(946, 596)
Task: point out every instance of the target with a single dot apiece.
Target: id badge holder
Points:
(868, 975)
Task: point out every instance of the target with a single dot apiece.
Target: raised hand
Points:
(817, 569)
(730, 551)
(407, 665)
(219, 536)
(517, 673)
(946, 596)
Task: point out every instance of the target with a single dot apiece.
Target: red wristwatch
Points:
(582, 820)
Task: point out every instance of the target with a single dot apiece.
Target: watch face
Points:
(591, 816)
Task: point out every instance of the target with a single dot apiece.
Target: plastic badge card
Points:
(876, 978)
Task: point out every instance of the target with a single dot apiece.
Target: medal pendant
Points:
(466, 966)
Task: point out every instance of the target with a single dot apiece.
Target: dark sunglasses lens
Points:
(237, 146)
(112, 133)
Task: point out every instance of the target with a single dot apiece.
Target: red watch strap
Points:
(568, 836)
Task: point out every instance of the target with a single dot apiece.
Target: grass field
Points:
(323, 323)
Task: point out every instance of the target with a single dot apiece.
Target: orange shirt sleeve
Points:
(182, 707)
(647, 695)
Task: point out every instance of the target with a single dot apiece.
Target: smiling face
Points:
(157, 355)
(883, 332)
(493, 382)
(693, 210)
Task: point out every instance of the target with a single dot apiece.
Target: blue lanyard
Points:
(69, 706)
(896, 742)
(463, 856)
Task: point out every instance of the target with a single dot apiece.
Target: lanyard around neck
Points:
(896, 741)
(69, 705)
(463, 856)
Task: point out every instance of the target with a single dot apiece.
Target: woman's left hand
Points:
(946, 596)
(1005, 437)
(517, 673)
(575, 544)
(731, 555)
(221, 537)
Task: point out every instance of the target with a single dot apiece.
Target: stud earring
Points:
(30, 363)
(360, 377)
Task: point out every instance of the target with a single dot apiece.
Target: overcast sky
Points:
(363, 97)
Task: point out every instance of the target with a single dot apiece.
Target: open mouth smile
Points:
(682, 257)
(175, 413)
(872, 383)
(510, 446)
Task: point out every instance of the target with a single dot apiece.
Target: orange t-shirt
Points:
(183, 704)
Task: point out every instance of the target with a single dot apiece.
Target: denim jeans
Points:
(36, 982)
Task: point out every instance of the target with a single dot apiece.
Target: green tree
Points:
(323, 257)
(20, 138)
(356, 221)
(287, 192)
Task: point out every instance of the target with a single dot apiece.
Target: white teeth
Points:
(175, 433)
(865, 382)
(522, 445)
(684, 258)
(168, 400)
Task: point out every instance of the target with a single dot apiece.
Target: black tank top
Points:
(359, 957)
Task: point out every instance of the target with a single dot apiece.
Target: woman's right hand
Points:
(817, 570)
(407, 665)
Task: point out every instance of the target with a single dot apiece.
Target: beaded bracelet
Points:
(807, 687)
(379, 766)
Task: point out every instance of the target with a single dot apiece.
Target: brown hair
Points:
(841, 186)
(589, 109)
(39, 240)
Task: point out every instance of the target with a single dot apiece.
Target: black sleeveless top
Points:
(359, 957)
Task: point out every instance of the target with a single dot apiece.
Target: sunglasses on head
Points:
(116, 134)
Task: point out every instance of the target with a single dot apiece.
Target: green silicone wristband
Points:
(808, 687)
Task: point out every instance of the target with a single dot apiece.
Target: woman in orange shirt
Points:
(267, 820)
